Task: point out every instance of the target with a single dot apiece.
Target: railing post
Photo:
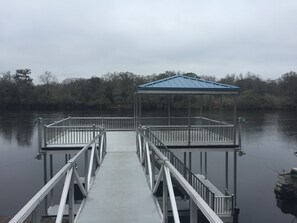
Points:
(165, 199)
(94, 130)
(71, 198)
(86, 171)
(212, 200)
(185, 165)
(193, 212)
(153, 156)
(44, 135)
(36, 217)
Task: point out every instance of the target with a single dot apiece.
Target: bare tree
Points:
(48, 78)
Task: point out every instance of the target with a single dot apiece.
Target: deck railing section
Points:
(151, 121)
(195, 135)
(221, 205)
(109, 123)
(57, 135)
(80, 130)
(70, 173)
(150, 151)
(174, 130)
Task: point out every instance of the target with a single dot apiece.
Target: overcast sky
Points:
(72, 38)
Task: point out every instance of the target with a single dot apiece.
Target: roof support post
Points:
(169, 109)
(235, 119)
(209, 109)
(139, 112)
(221, 108)
(134, 111)
(189, 119)
(201, 106)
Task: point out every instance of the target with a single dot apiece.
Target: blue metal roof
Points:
(184, 84)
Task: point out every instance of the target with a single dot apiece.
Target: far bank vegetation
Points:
(115, 91)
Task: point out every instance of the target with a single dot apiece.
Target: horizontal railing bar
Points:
(100, 118)
(73, 126)
(213, 120)
(57, 122)
(223, 196)
(192, 126)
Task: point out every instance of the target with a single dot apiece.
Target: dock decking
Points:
(120, 192)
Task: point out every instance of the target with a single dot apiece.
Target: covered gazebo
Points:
(189, 132)
(189, 87)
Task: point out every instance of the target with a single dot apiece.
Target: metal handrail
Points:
(150, 120)
(127, 123)
(197, 184)
(143, 143)
(71, 173)
(58, 122)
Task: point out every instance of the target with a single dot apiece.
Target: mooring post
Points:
(45, 181)
(39, 135)
(235, 179)
(226, 173)
(51, 176)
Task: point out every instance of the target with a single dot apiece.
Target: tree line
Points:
(115, 91)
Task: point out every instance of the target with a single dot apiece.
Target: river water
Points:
(269, 140)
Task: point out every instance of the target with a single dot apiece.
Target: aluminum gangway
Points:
(120, 192)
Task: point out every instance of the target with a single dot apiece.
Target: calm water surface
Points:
(269, 140)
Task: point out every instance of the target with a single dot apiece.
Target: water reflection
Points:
(17, 126)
